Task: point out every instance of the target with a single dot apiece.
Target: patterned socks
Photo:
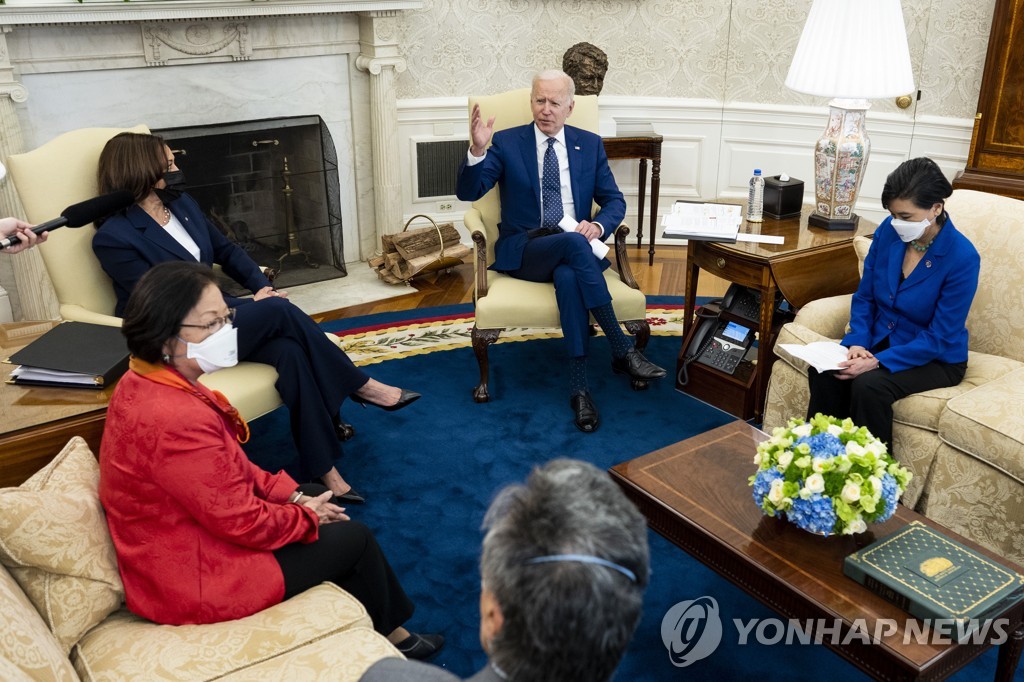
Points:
(578, 375)
(605, 316)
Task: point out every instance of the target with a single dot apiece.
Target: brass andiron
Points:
(289, 217)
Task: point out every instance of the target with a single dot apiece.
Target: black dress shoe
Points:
(406, 398)
(420, 647)
(344, 431)
(351, 497)
(587, 419)
(637, 366)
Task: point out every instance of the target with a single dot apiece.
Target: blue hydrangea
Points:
(890, 494)
(763, 483)
(823, 445)
(814, 514)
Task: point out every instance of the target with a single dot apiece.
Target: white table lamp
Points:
(851, 51)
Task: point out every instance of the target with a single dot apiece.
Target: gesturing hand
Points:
(326, 511)
(479, 133)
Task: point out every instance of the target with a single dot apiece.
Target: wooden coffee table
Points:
(695, 493)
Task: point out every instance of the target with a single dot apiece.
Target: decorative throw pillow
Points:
(55, 542)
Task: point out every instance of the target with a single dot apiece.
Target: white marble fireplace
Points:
(172, 63)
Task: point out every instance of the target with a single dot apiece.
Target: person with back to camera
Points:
(202, 534)
(908, 318)
(164, 224)
(547, 171)
(564, 567)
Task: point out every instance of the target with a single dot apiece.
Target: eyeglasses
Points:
(216, 324)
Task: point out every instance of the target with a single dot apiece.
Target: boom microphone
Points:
(80, 214)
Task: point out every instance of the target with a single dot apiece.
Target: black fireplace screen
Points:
(272, 187)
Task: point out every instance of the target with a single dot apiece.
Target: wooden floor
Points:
(667, 277)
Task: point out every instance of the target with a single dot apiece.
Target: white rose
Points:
(835, 429)
(815, 483)
(802, 430)
(876, 483)
(854, 448)
(785, 458)
(855, 526)
(843, 464)
(775, 493)
(851, 492)
(818, 465)
(876, 447)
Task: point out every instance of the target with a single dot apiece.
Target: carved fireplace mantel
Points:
(59, 38)
(53, 12)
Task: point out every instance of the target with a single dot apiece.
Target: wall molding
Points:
(710, 149)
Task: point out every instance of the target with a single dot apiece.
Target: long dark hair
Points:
(134, 162)
(162, 298)
(919, 181)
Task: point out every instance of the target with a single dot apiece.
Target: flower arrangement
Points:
(827, 476)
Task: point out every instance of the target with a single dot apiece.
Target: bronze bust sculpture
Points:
(586, 64)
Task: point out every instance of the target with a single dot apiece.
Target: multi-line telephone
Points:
(722, 343)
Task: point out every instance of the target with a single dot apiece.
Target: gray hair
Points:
(564, 619)
(554, 75)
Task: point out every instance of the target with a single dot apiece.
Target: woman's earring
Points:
(166, 358)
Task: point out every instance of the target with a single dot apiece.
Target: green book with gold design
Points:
(934, 577)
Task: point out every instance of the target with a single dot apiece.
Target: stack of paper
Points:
(710, 222)
(823, 356)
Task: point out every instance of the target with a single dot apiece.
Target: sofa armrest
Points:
(826, 316)
(125, 646)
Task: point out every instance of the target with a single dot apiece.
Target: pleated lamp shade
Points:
(853, 49)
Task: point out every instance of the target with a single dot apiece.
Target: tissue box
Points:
(783, 199)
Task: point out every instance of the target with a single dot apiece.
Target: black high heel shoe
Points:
(406, 398)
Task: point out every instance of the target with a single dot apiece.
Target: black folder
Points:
(86, 356)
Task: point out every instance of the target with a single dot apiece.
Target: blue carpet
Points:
(430, 471)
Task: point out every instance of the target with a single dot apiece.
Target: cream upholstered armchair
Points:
(502, 301)
(63, 172)
(964, 444)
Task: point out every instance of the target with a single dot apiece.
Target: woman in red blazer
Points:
(203, 535)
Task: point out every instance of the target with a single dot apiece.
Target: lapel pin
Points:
(576, 148)
(927, 263)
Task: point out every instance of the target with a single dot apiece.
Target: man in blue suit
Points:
(549, 176)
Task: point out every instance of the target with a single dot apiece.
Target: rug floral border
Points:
(368, 347)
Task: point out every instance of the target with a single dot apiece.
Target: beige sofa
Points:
(964, 444)
(62, 616)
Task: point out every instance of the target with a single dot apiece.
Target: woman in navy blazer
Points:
(908, 318)
(314, 375)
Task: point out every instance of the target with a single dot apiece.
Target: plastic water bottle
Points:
(755, 199)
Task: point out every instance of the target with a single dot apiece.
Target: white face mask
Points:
(217, 351)
(909, 231)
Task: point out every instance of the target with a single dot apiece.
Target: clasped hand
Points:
(326, 511)
(269, 292)
(858, 360)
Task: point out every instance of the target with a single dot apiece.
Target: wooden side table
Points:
(37, 421)
(643, 147)
(811, 263)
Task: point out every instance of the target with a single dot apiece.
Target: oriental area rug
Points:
(429, 472)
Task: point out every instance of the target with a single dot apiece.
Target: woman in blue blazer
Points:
(908, 318)
(314, 375)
